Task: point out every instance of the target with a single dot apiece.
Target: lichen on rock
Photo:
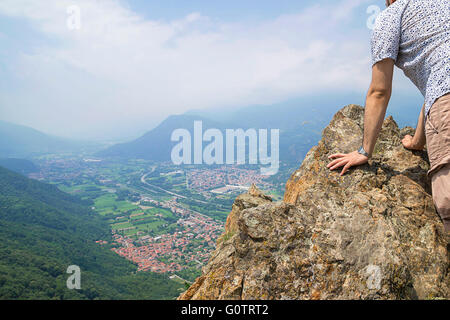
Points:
(370, 234)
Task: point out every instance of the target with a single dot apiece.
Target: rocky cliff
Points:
(371, 234)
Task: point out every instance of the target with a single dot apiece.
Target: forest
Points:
(44, 230)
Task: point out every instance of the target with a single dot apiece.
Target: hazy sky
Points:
(132, 63)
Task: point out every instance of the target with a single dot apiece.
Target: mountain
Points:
(300, 122)
(299, 129)
(43, 231)
(156, 144)
(18, 141)
(22, 166)
(287, 116)
(370, 234)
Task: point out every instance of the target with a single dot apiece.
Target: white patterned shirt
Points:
(416, 35)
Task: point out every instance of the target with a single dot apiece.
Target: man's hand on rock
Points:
(410, 143)
(347, 160)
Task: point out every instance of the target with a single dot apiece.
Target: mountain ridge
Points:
(298, 131)
(18, 141)
(156, 144)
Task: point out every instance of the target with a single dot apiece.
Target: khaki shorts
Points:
(437, 130)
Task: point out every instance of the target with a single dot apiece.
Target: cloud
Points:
(121, 70)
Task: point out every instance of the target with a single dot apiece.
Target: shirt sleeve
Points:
(386, 34)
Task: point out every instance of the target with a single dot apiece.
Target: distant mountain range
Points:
(44, 230)
(300, 128)
(17, 141)
(300, 122)
(155, 144)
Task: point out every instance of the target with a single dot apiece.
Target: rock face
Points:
(371, 234)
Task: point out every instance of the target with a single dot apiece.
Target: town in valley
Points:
(164, 218)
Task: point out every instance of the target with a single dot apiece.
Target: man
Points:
(415, 36)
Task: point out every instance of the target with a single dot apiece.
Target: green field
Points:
(109, 205)
(152, 221)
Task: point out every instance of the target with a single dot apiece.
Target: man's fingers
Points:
(339, 164)
(346, 160)
(346, 167)
(336, 155)
(332, 163)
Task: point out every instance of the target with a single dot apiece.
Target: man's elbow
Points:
(380, 93)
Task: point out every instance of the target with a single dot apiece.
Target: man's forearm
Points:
(419, 139)
(375, 111)
(376, 104)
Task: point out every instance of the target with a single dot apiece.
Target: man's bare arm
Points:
(377, 101)
(419, 140)
(376, 104)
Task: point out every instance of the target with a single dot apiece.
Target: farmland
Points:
(163, 218)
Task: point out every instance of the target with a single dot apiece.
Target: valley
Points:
(163, 218)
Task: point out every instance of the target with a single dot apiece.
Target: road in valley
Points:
(173, 193)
